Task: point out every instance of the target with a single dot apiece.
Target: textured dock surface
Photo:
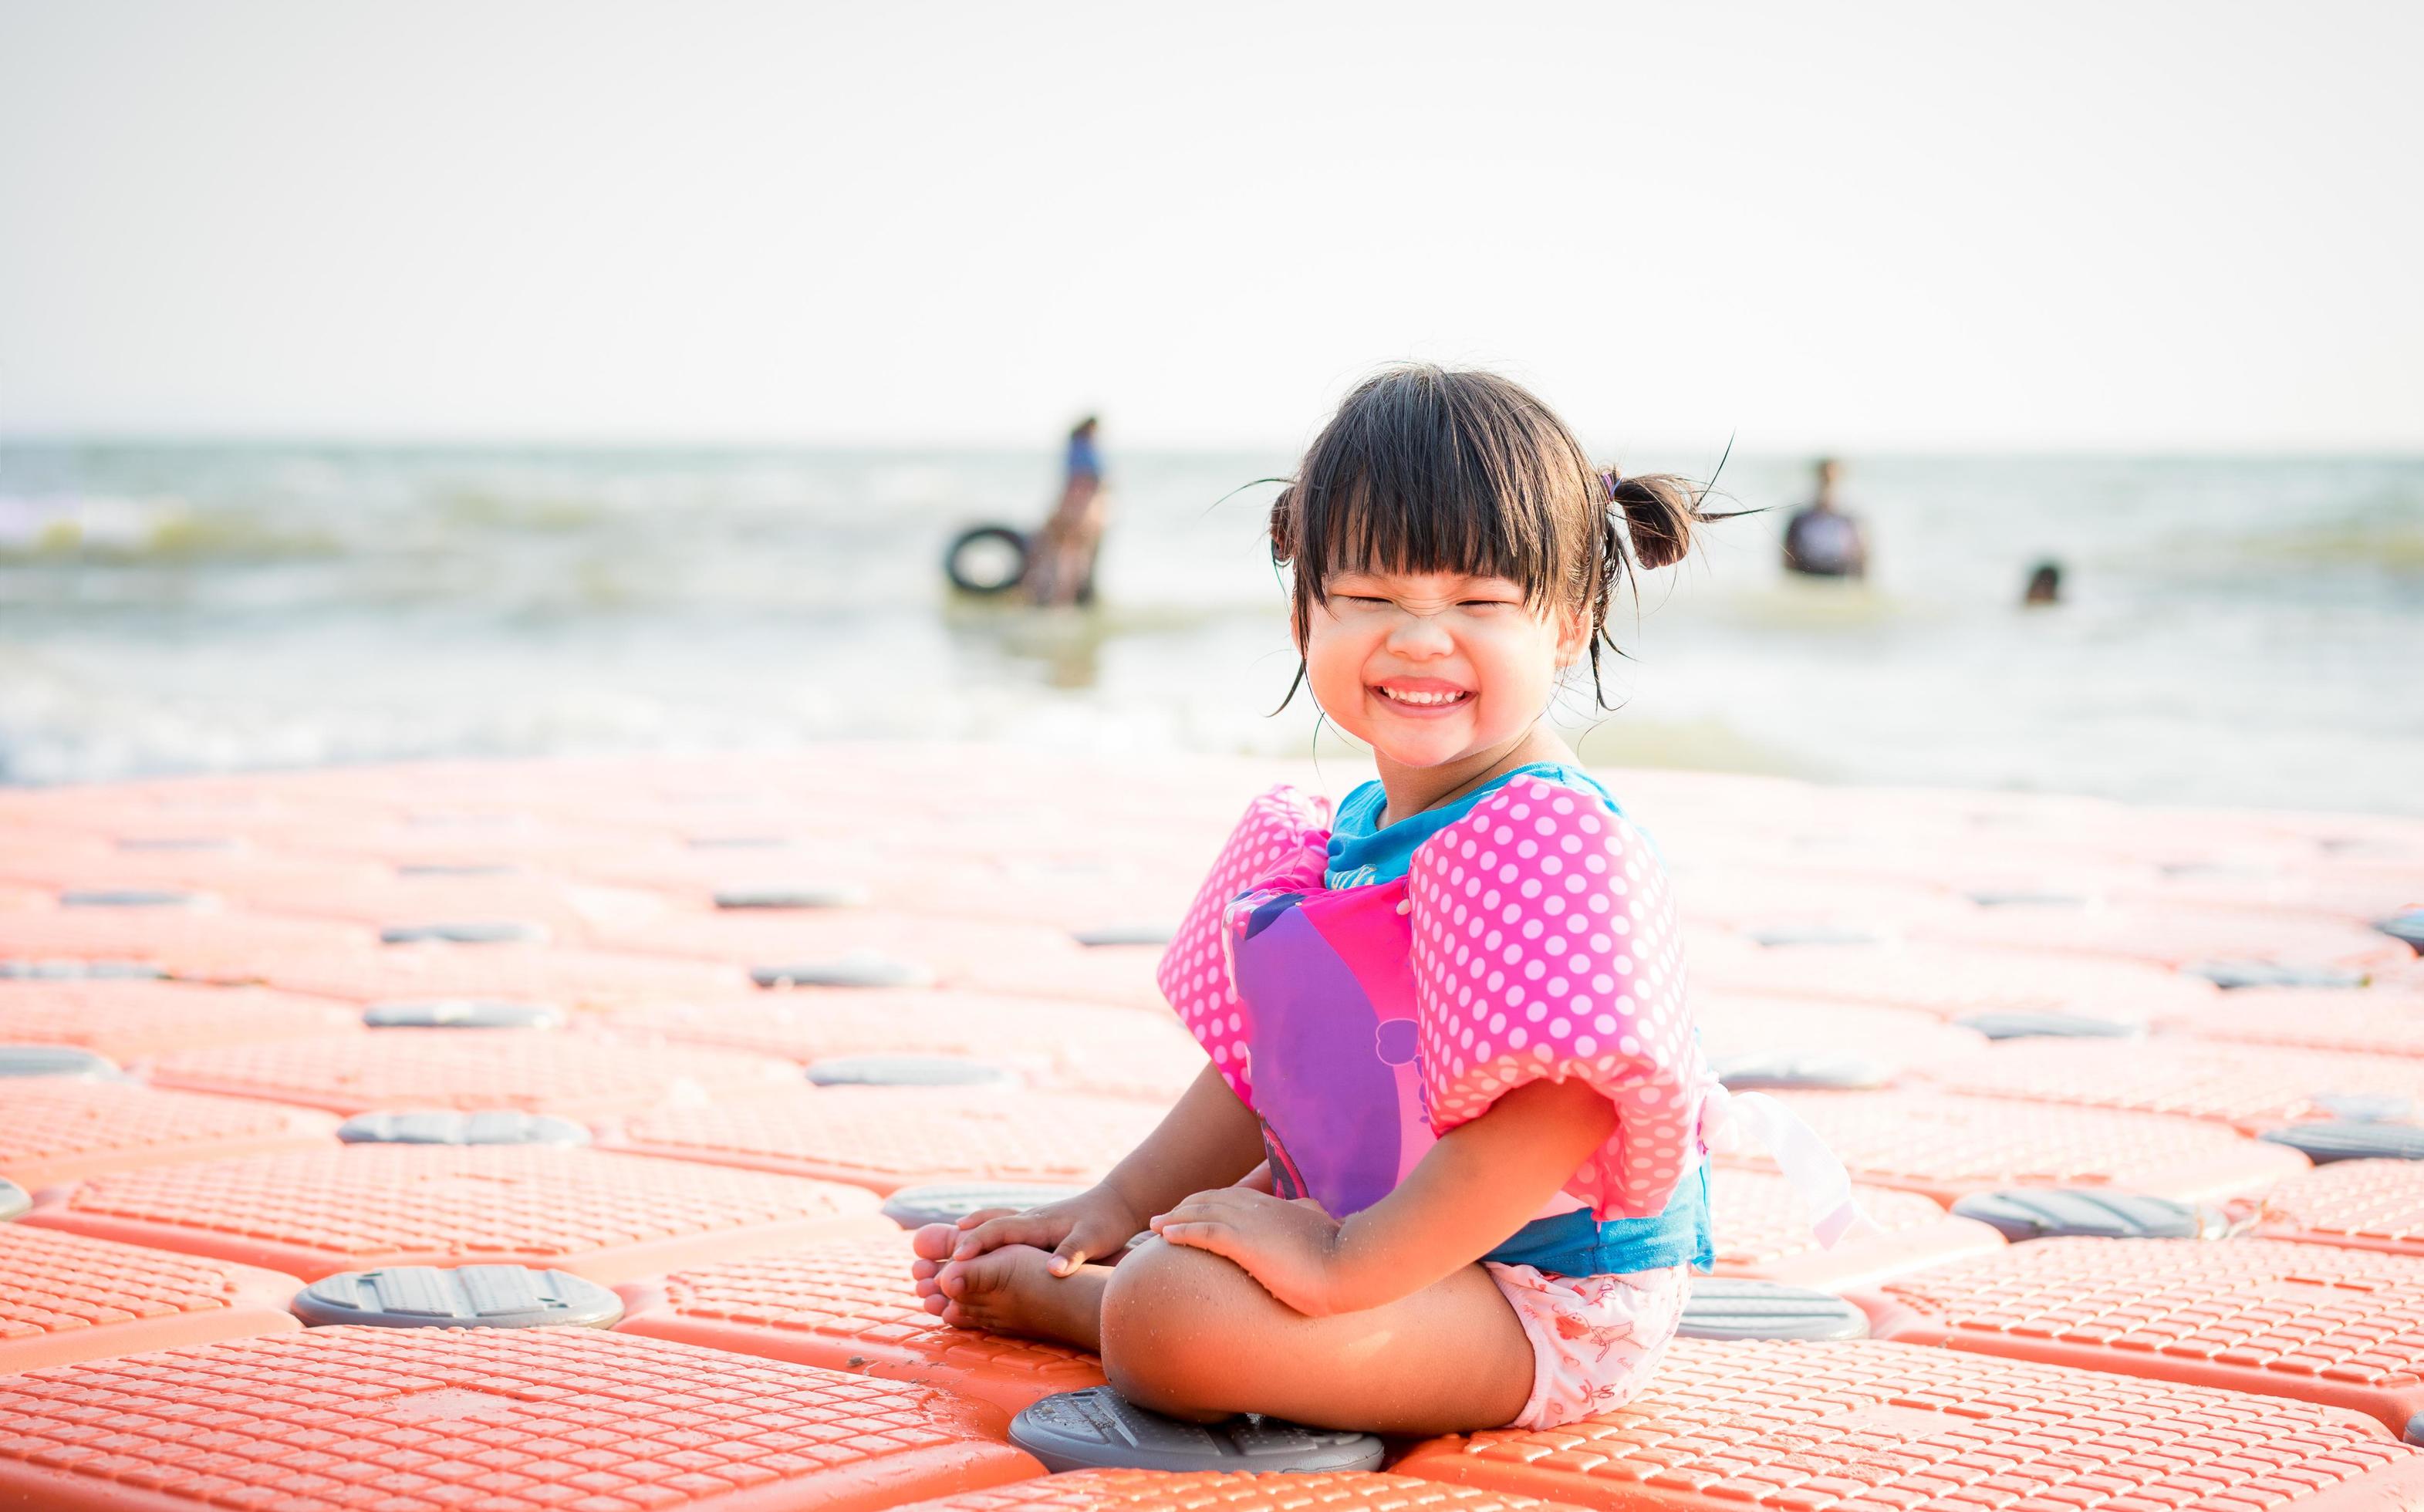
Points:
(676, 940)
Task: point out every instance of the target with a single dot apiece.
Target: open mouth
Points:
(1420, 699)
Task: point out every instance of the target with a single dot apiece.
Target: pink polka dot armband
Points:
(1545, 945)
(1280, 844)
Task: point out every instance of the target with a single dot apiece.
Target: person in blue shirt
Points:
(1060, 563)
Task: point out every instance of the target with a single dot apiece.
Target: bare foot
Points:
(1012, 1290)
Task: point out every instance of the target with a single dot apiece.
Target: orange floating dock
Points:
(567, 1074)
(56, 1129)
(608, 1217)
(65, 1297)
(1866, 1425)
(2341, 1326)
(499, 1419)
(1145, 1490)
(130, 1021)
(1945, 1146)
(849, 1305)
(888, 1138)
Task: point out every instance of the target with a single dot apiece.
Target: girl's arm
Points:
(1209, 1138)
(1479, 1183)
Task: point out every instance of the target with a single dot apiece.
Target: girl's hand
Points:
(1289, 1247)
(1091, 1225)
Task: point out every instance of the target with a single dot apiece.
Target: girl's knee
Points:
(1169, 1329)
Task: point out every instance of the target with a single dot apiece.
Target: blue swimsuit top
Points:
(1363, 850)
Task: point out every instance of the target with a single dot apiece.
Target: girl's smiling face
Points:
(1429, 668)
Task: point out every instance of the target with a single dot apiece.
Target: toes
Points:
(935, 1241)
(924, 1269)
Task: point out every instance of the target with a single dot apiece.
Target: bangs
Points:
(1425, 472)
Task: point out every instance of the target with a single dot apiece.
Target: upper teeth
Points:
(1406, 695)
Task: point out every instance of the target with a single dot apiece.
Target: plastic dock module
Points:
(607, 1217)
(2359, 1205)
(914, 1208)
(1723, 1307)
(532, 1071)
(463, 1297)
(2340, 1327)
(906, 1071)
(462, 1013)
(2375, 1021)
(850, 1305)
(1098, 1428)
(2175, 936)
(496, 1126)
(1898, 1041)
(1762, 1233)
(65, 1297)
(496, 1420)
(978, 956)
(56, 1129)
(2351, 1139)
(2022, 1215)
(129, 1020)
(1154, 1491)
(1076, 1048)
(55, 1060)
(888, 1138)
(194, 944)
(1950, 981)
(529, 973)
(2250, 1087)
(1947, 1146)
(1864, 1426)
(14, 1200)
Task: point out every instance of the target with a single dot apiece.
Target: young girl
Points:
(1444, 1169)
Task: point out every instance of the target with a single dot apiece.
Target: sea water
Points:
(2233, 631)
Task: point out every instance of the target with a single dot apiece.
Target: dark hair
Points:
(1431, 470)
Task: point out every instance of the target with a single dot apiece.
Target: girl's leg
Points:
(1187, 1333)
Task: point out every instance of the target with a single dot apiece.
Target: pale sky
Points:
(1867, 226)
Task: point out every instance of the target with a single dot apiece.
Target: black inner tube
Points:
(954, 569)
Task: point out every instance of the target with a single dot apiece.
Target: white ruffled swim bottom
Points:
(1596, 1339)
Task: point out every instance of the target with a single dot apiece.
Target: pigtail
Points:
(1660, 512)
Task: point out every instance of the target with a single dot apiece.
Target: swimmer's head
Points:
(1457, 500)
(1828, 470)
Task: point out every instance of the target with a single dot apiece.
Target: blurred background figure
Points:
(2044, 585)
(1060, 564)
(1821, 541)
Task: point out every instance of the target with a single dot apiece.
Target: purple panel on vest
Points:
(1328, 1100)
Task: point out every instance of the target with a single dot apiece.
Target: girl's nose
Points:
(1419, 635)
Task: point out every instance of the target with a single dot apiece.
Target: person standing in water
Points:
(1821, 541)
(1062, 570)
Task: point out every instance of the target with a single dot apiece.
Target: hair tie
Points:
(1611, 479)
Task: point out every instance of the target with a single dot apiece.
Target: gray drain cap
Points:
(2024, 1213)
(2233, 973)
(466, 1296)
(905, 1070)
(914, 1208)
(445, 1127)
(2350, 1139)
(468, 931)
(859, 968)
(1126, 934)
(798, 895)
(24, 970)
(1792, 934)
(2021, 1025)
(2407, 928)
(55, 1061)
(13, 1199)
(1095, 1429)
(462, 1013)
(174, 842)
(1724, 1308)
(1789, 1069)
(132, 897)
(457, 868)
(2019, 898)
